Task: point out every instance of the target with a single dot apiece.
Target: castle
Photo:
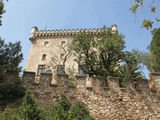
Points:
(48, 44)
(135, 101)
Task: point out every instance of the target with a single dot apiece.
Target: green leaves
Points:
(131, 66)
(1, 11)
(9, 92)
(155, 49)
(134, 8)
(152, 5)
(29, 109)
(79, 112)
(100, 53)
(64, 111)
(10, 57)
(147, 24)
(104, 55)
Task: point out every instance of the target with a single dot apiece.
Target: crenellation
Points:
(103, 103)
(98, 83)
(113, 83)
(143, 84)
(28, 78)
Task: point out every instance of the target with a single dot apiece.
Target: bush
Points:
(79, 112)
(8, 113)
(63, 111)
(29, 109)
(9, 92)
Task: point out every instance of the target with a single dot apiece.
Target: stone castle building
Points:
(46, 44)
(135, 101)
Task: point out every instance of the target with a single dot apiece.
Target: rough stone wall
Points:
(104, 103)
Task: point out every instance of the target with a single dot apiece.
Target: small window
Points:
(60, 69)
(63, 43)
(41, 69)
(46, 43)
(44, 56)
(62, 56)
(81, 69)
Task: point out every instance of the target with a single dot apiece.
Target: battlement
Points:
(35, 33)
(94, 83)
(136, 100)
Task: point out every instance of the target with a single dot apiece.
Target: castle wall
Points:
(37, 49)
(134, 101)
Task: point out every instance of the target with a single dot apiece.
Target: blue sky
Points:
(21, 15)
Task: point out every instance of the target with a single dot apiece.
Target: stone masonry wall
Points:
(133, 102)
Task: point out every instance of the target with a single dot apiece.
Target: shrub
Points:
(79, 112)
(29, 109)
(8, 113)
(10, 92)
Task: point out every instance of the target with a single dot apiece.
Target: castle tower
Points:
(45, 44)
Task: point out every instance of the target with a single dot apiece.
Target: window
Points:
(60, 69)
(81, 69)
(41, 69)
(46, 43)
(63, 43)
(62, 56)
(44, 56)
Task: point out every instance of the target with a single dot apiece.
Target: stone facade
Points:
(44, 43)
(136, 101)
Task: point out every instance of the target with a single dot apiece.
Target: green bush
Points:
(8, 113)
(9, 92)
(79, 112)
(63, 111)
(29, 109)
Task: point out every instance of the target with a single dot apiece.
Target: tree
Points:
(130, 68)
(1, 11)
(57, 61)
(79, 112)
(151, 58)
(65, 111)
(10, 57)
(155, 49)
(29, 109)
(104, 55)
(101, 54)
(60, 111)
(152, 5)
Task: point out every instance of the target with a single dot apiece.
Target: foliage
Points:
(145, 58)
(147, 24)
(60, 111)
(100, 54)
(29, 109)
(104, 55)
(136, 4)
(151, 59)
(1, 11)
(10, 57)
(9, 92)
(155, 49)
(8, 113)
(63, 111)
(130, 68)
(79, 112)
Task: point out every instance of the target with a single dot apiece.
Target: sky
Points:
(22, 15)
